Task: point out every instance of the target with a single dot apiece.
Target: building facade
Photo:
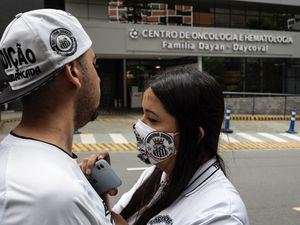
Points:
(247, 45)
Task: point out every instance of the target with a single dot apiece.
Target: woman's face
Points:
(156, 117)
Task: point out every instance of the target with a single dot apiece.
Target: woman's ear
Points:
(201, 134)
(73, 73)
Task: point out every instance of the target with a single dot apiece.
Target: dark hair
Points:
(195, 99)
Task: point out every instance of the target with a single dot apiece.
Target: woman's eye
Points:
(152, 120)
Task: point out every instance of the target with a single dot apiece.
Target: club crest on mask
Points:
(159, 145)
(153, 146)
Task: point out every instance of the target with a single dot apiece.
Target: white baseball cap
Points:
(35, 46)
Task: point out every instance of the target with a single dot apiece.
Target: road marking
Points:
(82, 147)
(137, 168)
(118, 138)
(297, 209)
(291, 136)
(119, 121)
(222, 146)
(87, 139)
(249, 137)
(272, 137)
(227, 138)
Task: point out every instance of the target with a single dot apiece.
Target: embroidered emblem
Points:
(63, 42)
(161, 220)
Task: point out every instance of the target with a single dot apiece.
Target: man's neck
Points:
(53, 129)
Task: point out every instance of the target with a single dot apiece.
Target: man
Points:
(49, 65)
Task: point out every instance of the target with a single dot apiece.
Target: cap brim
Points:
(9, 95)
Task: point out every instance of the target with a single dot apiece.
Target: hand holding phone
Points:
(103, 177)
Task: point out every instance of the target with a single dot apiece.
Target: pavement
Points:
(112, 131)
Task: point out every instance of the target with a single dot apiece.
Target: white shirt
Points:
(40, 184)
(209, 199)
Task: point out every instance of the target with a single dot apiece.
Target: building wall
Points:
(263, 105)
(92, 9)
(113, 39)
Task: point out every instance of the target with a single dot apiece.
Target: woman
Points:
(178, 134)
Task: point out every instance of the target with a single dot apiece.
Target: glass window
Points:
(253, 75)
(175, 20)
(238, 21)
(222, 10)
(202, 13)
(155, 6)
(238, 11)
(222, 20)
(206, 19)
(268, 23)
(297, 84)
(252, 22)
(266, 13)
(292, 84)
(252, 12)
(215, 66)
(273, 70)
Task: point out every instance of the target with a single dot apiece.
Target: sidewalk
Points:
(113, 132)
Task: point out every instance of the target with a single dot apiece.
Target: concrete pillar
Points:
(244, 60)
(200, 68)
(124, 83)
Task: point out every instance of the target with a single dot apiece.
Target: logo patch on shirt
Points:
(161, 220)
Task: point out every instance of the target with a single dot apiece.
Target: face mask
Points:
(153, 146)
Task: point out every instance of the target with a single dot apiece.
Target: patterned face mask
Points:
(153, 146)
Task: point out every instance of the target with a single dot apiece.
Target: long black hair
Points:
(195, 99)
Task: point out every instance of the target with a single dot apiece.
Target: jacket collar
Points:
(206, 171)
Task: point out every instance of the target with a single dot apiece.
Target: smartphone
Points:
(103, 177)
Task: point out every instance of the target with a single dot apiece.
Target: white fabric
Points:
(209, 200)
(41, 184)
(38, 42)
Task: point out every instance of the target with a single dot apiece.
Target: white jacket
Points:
(40, 184)
(209, 199)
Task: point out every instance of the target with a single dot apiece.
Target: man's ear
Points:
(201, 134)
(73, 73)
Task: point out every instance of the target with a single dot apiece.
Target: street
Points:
(266, 174)
(267, 180)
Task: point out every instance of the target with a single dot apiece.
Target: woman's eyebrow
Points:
(150, 111)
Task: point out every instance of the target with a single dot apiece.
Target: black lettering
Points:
(21, 57)
(6, 56)
(21, 75)
(27, 73)
(4, 61)
(17, 76)
(31, 72)
(30, 56)
(24, 74)
(11, 51)
(37, 70)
